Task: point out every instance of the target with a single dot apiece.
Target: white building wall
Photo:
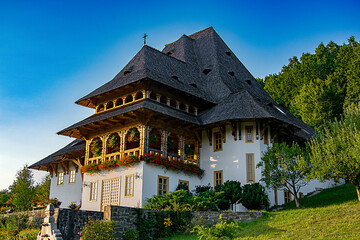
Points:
(150, 179)
(67, 192)
(127, 201)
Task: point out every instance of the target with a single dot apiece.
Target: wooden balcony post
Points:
(164, 136)
(182, 148)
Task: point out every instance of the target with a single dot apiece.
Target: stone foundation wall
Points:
(126, 217)
(70, 222)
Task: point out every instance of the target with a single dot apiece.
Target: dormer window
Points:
(248, 81)
(194, 85)
(101, 108)
(169, 53)
(231, 73)
(175, 77)
(228, 53)
(127, 73)
(206, 71)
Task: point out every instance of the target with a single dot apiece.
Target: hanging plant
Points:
(171, 143)
(189, 150)
(96, 147)
(153, 138)
(134, 136)
(113, 141)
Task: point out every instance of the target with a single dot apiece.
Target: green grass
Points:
(332, 214)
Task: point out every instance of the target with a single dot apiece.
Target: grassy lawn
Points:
(332, 214)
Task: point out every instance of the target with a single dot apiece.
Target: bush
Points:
(98, 230)
(254, 197)
(174, 201)
(182, 186)
(131, 234)
(225, 229)
(201, 188)
(28, 234)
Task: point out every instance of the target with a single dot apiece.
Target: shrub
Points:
(225, 229)
(254, 197)
(28, 234)
(182, 186)
(175, 201)
(131, 234)
(98, 230)
(201, 188)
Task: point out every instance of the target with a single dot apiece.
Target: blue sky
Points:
(54, 52)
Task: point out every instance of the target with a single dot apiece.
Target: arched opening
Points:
(129, 99)
(132, 139)
(95, 148)
(228, 53)
(119, 102)
(127, 73)
(113, 143)
(163, 99)
(175, 77)
(110, 105)
(248, 81)
(193, 85)
(191, 109)
(155, 139)
(173, 103)
(139, 95)
(153, 95)
(173, 144)
(189, 149)
(231, 73)
(169, 53)
(101, 108)
(182, 106)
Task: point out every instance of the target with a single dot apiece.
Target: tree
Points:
(282, 168)
(232, 190)
(42, 189)
(22, 190)
(335, 152)
(4, 197)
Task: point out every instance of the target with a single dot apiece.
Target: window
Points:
(93, 190)
(163, 185)
(218, 178)
(72, 176)
(60, 180)
(301, 195)
(184, 182)
(217, 142)
(250, 173)
(287, 196)
(276, 196)
(129, 183)
(266, 136)
(249, 134)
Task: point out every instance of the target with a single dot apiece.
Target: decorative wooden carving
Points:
(209, 135)
(222, 129)
(233, 127)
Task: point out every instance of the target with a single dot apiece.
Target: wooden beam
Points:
(233, 127)
(77, 162)
(65, 166)
(257, 130)
(222, 131)
(198, 137)
(209, 135)
(239, 130)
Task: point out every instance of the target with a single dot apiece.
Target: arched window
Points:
(95, 148)
(139, 95)
(191, 109)
(153, 95)
(110, 105)
(173, 103)
(119, 102)
(155, 139)
(182, 106)
(173, 144)
(129, 99)
(101, 108)
(163, 99)
(113, 143)
(132, 139)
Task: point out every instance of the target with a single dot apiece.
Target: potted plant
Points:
(189, 150)
(153, 138)
(96, 147)
(113, 141)
(171, 144)
(134, 136)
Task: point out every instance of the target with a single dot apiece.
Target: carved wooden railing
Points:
(113, 156)
(155, 151)
(172, 156)
(134, 151)
(94, 160)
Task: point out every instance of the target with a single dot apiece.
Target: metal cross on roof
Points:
(144, 37)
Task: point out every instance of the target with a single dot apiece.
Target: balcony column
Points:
(104, 146)
(164, 140)
(144, 139)
(87, 151)
(182, 148)
(122, 142)
(197, 153)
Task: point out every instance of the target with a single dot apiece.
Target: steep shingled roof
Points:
(71, 147)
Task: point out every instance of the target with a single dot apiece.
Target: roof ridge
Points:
(156, 50)
(206, 29)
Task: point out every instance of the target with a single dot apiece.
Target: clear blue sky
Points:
(54, 52)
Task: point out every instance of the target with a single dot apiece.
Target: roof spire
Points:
(144, 37)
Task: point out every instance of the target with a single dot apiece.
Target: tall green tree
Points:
(22, 190)
(4, 197)
(335, 153)
(232, 190)
(281, 168)
(42, 189)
